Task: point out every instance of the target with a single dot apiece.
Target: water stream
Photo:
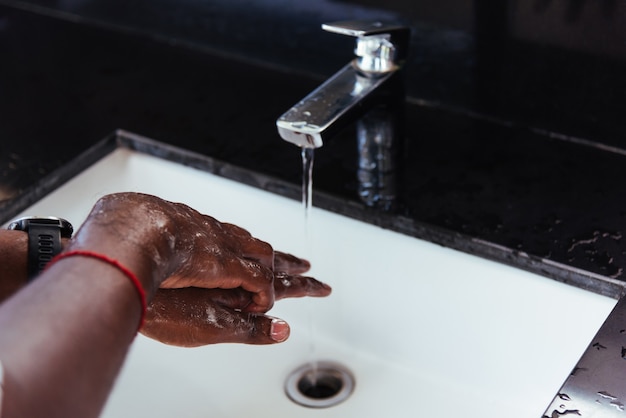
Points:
(308, 155)
(307, 202)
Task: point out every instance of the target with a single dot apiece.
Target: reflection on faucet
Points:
(377, 133)
(380, 51)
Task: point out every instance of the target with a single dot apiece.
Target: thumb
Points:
(264, 329)
(247, 328)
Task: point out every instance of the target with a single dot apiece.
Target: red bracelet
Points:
(131, 276)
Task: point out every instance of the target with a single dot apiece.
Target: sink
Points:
(425, 330)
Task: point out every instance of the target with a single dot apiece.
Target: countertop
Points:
(531, 195)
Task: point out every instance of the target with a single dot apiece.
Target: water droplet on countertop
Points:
(618, 405)
(564, 396)
(607, 395)
(556, 413)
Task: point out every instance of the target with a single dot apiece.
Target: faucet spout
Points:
(328, 108)
(380, 51)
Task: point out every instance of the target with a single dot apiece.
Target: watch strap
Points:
(44, 242)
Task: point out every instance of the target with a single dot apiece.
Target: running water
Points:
(307, 201)
(308, 155)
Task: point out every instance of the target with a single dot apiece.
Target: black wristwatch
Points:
(44, 239)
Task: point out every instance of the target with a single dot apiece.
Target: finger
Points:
(259, 251)
(256, 279)
(230, 273)
(235, 299)
(290, 263)
(250, 247)
(182, 317)
(287, 286)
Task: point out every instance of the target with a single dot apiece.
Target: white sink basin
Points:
(427, 331)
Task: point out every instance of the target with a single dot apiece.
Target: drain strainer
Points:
(319, 385)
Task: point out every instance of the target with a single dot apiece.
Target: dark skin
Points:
(179, 316)
(173, 316)
(206, 282)
(13, 248)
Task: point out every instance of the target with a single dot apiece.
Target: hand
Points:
(171, 245)
(215, 281)
(192, 317)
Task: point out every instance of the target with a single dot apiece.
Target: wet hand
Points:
(170, 245)
(208, 281)
(190, 317)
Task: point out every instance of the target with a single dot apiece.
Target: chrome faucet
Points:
(380, 51)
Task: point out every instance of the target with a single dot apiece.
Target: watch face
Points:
(23, 224)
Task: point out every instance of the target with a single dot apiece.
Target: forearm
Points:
(64, 339)
(64, 336)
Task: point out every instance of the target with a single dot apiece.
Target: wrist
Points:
(130, 256)
(141, 231)
(103, 258)
(45, 236)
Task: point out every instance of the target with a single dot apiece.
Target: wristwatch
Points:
(44, 239)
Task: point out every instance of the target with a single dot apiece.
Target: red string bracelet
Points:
(131, 276)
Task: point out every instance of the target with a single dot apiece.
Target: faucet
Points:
(380, 51)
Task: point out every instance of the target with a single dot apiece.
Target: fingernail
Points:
(279, 331)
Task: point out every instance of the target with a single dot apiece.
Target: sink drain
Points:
(319, 385)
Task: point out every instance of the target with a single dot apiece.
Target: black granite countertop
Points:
(500, 180)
